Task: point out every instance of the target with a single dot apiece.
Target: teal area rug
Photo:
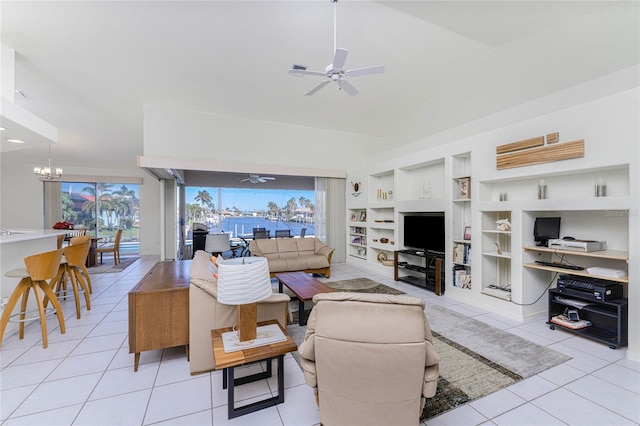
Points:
(489, 360)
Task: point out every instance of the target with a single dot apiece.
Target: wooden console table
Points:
(159, 309)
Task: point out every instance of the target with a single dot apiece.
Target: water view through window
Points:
(238, 210)
(103, 208)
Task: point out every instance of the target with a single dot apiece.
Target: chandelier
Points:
(45, 173)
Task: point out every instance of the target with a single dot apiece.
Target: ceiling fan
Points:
(258, 179)
(335, 71)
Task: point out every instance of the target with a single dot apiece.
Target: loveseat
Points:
(206, 313)
(294, 254)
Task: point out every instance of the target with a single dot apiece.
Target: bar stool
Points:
(74, 256)
(40, 268)
(80, 240)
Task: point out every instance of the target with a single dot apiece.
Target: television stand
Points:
(428, 274)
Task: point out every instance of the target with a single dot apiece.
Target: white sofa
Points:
(206, 313)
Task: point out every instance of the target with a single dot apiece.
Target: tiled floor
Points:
(86, 375)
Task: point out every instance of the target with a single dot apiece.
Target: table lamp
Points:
(244, 281)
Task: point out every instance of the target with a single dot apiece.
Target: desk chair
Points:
(39, 269)
(115, 249)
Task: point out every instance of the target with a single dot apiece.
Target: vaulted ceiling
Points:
(88, 67)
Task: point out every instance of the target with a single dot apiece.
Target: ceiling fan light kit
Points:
(335, 71)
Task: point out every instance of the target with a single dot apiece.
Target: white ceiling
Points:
(88, 67)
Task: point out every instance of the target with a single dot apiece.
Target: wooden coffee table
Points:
(227, 361)
(304, 286)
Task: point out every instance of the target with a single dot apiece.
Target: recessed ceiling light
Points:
(15, 141)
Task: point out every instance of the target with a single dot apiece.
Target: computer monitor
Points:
(545, 229)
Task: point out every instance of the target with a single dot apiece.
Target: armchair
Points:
(370, 358)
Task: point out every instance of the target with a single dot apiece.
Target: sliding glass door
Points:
(103, 208)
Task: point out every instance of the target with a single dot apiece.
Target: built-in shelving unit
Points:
(496, 254)
(357, 233)
(461, 219)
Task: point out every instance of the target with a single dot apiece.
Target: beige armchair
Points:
(206, 313)
(370, 358)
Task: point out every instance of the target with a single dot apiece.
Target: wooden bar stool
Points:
(40, 268)
(80, 240)
(74, 257)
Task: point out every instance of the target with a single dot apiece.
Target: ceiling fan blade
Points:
(365, 71)
(302, 73)
(347, 87)
(245, 180)
(318, 87)
(340, 58)
(267, 178)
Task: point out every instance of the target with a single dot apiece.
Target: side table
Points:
(227, 361)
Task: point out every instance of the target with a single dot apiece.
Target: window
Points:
(103, 208)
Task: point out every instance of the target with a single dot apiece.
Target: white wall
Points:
(191, 134)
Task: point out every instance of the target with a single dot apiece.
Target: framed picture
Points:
(354, 217)
(464, 188)
(467, 233)
(363, 216)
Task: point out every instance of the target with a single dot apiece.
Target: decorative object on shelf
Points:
(356, 188)
(45, 173)
(503, 196)
(534, 151)
(384, 240)
(553, 137)
(498, 248)
(382, 258)
(426, 189)
(363, 216)
(467, 233)
(392, 242)
(542, 190)
(244, 281)
(383, 195)
(354, 217)
(503, 225)
(600, 188)
(464, 188)
(362, 251)
(375, 240)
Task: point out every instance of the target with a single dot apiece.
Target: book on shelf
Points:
(565, 322)
(462, 279)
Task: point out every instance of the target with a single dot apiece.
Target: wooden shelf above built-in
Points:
(534, 151)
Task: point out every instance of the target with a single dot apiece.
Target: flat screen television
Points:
(425, 231)
(545, 229)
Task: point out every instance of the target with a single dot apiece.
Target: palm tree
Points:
(205, 199)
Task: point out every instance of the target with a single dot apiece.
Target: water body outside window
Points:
(103, 208)
(239, 210)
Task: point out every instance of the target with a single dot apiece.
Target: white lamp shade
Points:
(243, 280)
(217, 243)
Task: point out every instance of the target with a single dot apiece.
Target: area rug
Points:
(108, 267)
(489, 360)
